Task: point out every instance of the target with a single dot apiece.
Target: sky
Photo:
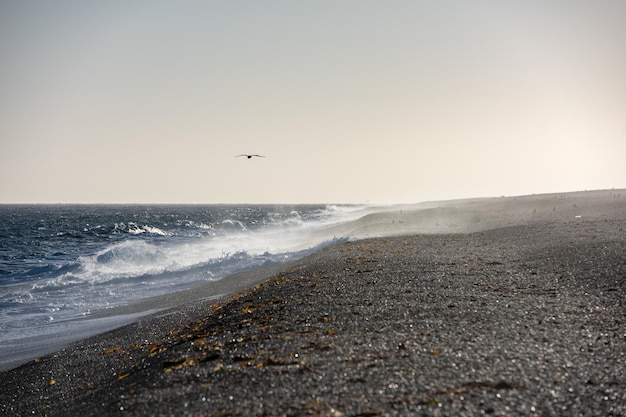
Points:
(353, 101)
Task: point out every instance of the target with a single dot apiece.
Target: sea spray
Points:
(61, 263)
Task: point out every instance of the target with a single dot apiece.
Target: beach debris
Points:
(170, 365)
(318, 346)
(174, 364)
(318, 408)
(466, 387)
(431, 401)
(113, 350)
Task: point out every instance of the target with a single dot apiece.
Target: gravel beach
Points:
(523, 317)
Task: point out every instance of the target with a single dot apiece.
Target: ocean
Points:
(60, 264)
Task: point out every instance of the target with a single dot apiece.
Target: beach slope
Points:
(508, 306)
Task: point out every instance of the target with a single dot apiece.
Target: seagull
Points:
(250, 156)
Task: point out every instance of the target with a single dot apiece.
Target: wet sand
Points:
(507, 306)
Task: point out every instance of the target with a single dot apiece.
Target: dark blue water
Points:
(60, 263)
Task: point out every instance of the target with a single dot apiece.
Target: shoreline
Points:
(453, 216)
(380, 326)
(106, 320)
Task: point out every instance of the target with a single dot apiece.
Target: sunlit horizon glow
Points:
(351, 102)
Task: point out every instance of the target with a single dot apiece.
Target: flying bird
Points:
(250, 156)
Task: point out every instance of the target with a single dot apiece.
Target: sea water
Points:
(61, 263)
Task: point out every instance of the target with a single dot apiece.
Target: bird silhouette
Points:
(250, 156)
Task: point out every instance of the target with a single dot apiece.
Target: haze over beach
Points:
(350, 102)
(426, 208)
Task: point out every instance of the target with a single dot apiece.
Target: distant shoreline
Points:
(523, 316)
(454, 216)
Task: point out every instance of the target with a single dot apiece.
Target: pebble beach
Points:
(505, 306)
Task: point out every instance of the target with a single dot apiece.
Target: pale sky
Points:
(351, 101)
